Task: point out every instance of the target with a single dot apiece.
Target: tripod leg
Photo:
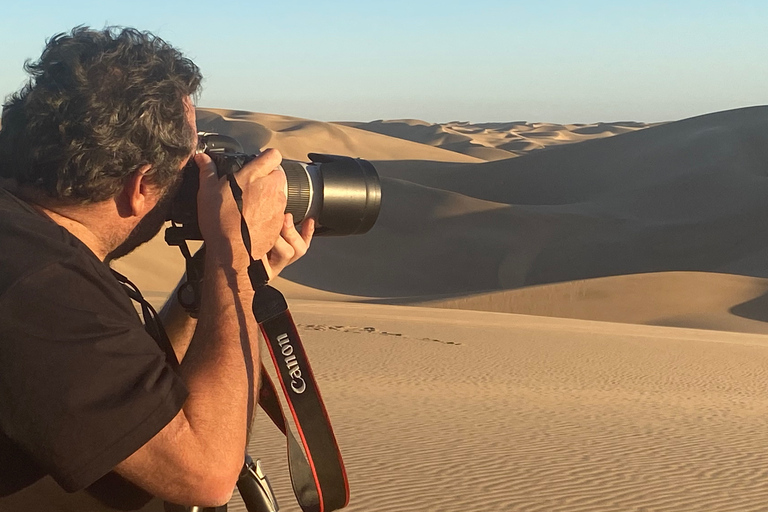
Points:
(255, 489)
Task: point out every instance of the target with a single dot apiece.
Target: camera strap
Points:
(316, 468)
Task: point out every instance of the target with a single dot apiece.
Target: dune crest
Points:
(295, 137)
(494, 141)
(694, 300)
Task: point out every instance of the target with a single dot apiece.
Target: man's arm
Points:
(179, 326)
(289, 247)
(197, 457)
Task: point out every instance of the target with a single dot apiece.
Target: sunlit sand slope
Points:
(682, 299)
(470, 411)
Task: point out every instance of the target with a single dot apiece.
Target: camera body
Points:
(342, 194)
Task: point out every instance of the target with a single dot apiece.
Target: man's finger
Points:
(206, 166)
(281, 253)
(292, 237)
(263, 164)
(307, 230)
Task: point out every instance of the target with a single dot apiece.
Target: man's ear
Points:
(134, 200)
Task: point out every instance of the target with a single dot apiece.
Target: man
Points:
(91, 150)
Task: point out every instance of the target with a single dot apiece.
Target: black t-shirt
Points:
(82, 385)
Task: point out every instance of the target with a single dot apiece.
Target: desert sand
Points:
(545, 317)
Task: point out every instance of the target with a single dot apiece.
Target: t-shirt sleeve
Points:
(82, 385)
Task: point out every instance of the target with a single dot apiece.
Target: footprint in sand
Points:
(368, 330)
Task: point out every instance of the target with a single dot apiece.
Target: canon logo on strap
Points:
(297, 383)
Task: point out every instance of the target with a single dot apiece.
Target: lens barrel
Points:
(342, 194)
(349, 199)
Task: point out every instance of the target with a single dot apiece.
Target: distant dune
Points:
(677, 299)
(684, 196)
(649, 201)
(296, 137)
(495, 141)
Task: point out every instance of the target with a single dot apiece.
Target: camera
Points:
(342, 194)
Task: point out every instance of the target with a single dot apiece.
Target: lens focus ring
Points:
(299, 190)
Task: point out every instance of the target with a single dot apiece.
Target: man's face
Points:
(151, 224)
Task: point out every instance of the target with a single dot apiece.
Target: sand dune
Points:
(693, 300)
(471, 411)
(632, 250)
(296, 137)
(685, 196)
(677, 299)
(494, 141)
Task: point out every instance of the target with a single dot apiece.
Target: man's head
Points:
(100, 107)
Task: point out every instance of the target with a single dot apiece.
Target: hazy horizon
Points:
(435, 61)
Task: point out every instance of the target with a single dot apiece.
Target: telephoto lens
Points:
(342, 194)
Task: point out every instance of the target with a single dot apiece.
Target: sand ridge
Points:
(698, 300)
(296, 137)
(494, 141)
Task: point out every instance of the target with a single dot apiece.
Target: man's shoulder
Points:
(30, 242)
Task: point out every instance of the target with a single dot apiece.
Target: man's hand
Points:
(290, 245)
(263, 184)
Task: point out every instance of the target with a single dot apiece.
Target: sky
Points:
(439, 61)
